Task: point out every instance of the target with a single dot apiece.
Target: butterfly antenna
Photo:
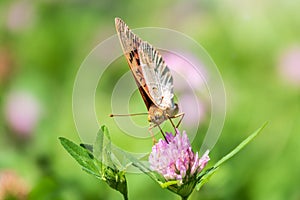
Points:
(127, 115)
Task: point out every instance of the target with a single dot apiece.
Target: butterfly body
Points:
(151, 74)
(157, 115)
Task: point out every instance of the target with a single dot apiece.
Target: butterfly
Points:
(152, 76)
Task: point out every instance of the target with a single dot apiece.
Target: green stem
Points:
(184, 198)
(125, 196)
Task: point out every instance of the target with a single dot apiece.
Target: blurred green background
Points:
(255, 44)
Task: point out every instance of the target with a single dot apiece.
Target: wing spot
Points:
(131, 56)
(138, 61)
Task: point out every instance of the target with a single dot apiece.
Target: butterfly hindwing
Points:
(157, 76)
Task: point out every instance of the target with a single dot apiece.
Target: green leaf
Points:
(142, 167)
(102, 148)
(80, 154)
(113, 176)
(87, 147)
(169, 183)
(97, 175)
(98, 145)
(204, 177)
(98, 148)
(98, 160)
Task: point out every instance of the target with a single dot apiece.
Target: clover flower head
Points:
(174, 158)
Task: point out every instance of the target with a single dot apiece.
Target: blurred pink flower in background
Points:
(289, 65)
(19, 15)
(196, 109)
(12, 186)
(22, 111)
(189, 84)
(186, 66)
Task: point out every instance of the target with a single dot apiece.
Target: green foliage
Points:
(98, 163)
(206, 175)
(81, 155)
(48, 41)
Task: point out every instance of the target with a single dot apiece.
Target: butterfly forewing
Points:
(130, 44)
(149, 69)
(128, 39)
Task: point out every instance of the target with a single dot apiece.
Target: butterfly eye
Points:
(149, 118)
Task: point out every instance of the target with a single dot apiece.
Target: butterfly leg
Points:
(181, 115)
(162, 133)
(170, 119)
(152, 135)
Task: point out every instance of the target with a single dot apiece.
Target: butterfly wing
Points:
(129, 41)
(130, 44)
(152, 75)
(157, 76)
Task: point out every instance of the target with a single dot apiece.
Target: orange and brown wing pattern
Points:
(150, 71)
(130, 44)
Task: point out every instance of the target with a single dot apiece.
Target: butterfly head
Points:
(156, 115)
